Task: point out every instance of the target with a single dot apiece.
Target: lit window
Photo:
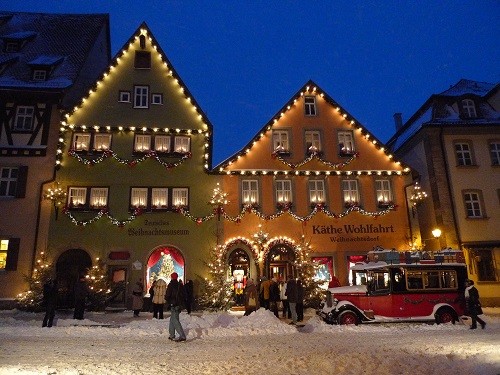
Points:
(310, 105)
(139, 197)
(4, 247)
(8, 182)
(313, 141)
(157, 99)
(77, 197)
(250, 192)
(383, 192)
(162, 143)
(280, 141)
(180, 197)
(316, 191)
(98, 197)
(495, 153)
(102, 142)
(346, 143)
(39, 75)
(81, 141)
(142, 143)
(182, 144)
(24, 118)
(469, 108)
(159, 198)
(464, 154)
(124, 97)
(473, 205)
(350, 192)
(283, 191)
(141, 95)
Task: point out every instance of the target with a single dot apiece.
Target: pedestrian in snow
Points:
(284, 301)
(151, 295)
(159, 290)
(274, 296)
(50, 302)
(251, 297)
(175, 298)
(81, 292)
(189, 295)
(291, 294)
(137, 297)
(300, 301)
(472, 304)
(264, 291)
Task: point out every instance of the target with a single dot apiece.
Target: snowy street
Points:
(116, 343)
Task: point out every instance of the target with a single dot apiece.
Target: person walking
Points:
(175, 299)
(50, 302)
(300, 301)
(291, 295)
(472, 304)
(137, 297)
(159, 290)
(81, 292)
(189, 295)
(251, 297)
(274, 296)
(284, 301)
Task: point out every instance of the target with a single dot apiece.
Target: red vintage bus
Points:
(389, 291)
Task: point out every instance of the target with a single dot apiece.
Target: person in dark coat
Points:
(300, 301)
(189, 295)
(50, 302)
(472, 304)
(292, 296)
(274, 296)
(175, 299)
(81, 292)
(251, 297)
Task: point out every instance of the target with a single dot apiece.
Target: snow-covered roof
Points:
(46, 60)
(466, 86)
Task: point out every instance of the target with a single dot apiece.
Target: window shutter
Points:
(12, 254)
(22, 177)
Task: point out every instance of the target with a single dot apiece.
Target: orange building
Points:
(313, 180)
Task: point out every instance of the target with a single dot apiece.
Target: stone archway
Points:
(69, 266)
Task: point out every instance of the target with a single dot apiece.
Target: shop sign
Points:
(353, 232)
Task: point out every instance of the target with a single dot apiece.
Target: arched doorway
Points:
(279, 261)
(162, 262)
(69, 266)
(239, 266)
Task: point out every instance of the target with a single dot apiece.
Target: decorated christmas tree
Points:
(167, 266)
(306, 271)
(99, 286)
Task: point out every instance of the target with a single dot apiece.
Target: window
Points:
(98, 198)
(81, 141)
(142, 60)
(124, 97)
(280, 141)
(139, 197)
(12, 47)
(24, 118)
(141, 94)
(464, 154)
(182, 145)
(383, 192)
(157, 99)
(250, 192)
(102, 142)
(142, 143)
(316, 191)
(310, 105)
(159, 198)
(495, 153)
(39, 75)
(8, 182)
(283, 191)
(346, 143)
(180, 197)
(313, 141)
(350, 192)
(162, 143)
(469, 108)
(4, 247)
(485, 262)
(473, 205)
(431, 279)
(77, 197)
(9, 253)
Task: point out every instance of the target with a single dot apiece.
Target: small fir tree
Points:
(306, 271)
(99, 286)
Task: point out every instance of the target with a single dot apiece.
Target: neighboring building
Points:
(46, 61)
(134, 159)
(313, 178)
(453, 141)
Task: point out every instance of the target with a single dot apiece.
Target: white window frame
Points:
(39, 75)
(463, 151)
(124, 97)
(182, 144)
(350, 191)
(180, 197)
(81, 141)
(469, 108)
(283, 191)
(313, 138)
(383, 191)
(281, 141)
(159, 198)
(157, 99)
(98, 197)
(249, 192)
(8, 181)
(139, 197)
(317, 191)
(77, 197)
(162, 143)
(310, 106)
(495, 153)
(25, 116)
(141, 96)
(473, 206)
(346, 139)
(142, 143)
(102, 141)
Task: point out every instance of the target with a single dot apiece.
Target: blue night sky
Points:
(243, 60)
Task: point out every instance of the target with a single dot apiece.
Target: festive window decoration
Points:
(162, 262)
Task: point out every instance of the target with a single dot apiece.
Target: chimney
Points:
(398, 120)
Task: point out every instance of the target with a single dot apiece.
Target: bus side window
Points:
(398, 281)
(414, 280)
(432, 279)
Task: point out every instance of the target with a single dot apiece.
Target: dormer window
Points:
(39, 75)
(43, 65)
(469, 108)
(15, 42)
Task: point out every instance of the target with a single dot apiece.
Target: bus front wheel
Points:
(347, 317)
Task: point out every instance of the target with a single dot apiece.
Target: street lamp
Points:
(436, 233)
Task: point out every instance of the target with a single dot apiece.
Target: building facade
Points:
(46, 61)
(453, 141)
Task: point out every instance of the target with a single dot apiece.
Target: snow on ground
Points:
(228, 343)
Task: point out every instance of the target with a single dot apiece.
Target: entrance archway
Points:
(279, 261)
(162, 262)
(69, 266)
(239, 266)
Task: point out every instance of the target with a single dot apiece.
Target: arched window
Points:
(163, 261)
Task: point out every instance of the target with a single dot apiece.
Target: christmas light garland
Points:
(315, 155)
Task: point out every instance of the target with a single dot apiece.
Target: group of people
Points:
(270, 293)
